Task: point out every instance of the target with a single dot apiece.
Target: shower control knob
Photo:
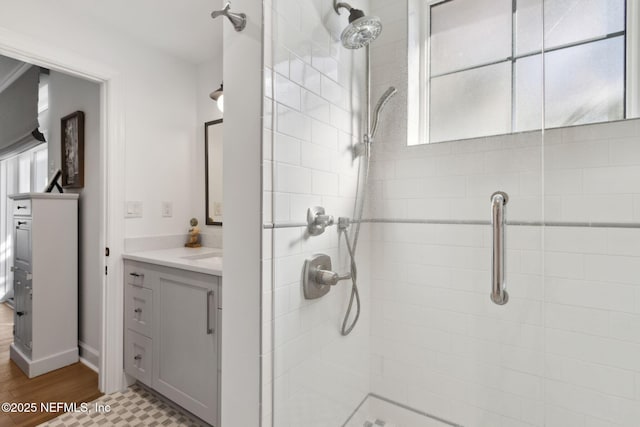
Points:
(318, 278)
(327, 277)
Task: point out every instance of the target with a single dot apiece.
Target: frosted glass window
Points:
(471, 103)
(528, 27)
(467, 33)
(528, 93)
(570, 21)
(585, 83)
(567, 56)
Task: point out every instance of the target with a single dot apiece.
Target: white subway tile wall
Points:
(312, 376)
(565, 350)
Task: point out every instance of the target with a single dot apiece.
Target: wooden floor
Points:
(74, 383)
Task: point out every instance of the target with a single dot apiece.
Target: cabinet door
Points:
(185, 342)
(22, 315)
(22, 244)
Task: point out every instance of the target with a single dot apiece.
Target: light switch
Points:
(217, 208)
(133, 209)
(167, 209)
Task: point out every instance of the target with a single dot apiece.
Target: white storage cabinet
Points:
(45, 281)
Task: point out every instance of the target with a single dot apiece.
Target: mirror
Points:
(213, 171)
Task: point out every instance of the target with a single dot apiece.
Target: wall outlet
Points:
(133, 210)
(217, 208)
(167, 209)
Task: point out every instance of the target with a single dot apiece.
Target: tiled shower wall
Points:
(313, 90)
(565, 350)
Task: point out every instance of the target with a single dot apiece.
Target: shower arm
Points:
(341, 5)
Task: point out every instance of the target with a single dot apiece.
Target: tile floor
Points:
(136, 406)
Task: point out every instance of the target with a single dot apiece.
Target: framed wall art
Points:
(72, 145)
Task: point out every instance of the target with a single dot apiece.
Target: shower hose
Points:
(351, 248)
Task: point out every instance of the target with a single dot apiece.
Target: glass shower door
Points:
(535, 99)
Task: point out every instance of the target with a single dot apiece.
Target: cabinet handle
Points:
(209, 299)
(22, 207)
(137, 276)
(22, 223)
(137, 310)
(20, 313)
(137, 357)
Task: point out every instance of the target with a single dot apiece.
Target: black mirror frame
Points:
(208, 219)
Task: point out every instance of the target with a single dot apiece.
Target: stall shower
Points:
(484, 158)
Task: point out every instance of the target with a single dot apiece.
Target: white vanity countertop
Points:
(201, 260)
(22, 196)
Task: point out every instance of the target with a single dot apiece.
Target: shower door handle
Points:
(499, 200)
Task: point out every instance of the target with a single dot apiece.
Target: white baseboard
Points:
(33, 368)
(89, 356)
(89, 365)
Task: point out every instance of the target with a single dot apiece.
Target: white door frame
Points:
(38, 52)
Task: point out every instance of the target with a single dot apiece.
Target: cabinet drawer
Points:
(21, 207)
(138, 357)
(134, 275)
(138, 309)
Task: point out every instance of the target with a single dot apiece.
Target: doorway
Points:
(108, 222)
(26, 168)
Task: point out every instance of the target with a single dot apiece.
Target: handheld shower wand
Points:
(386, 96)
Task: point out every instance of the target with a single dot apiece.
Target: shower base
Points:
(378, 411)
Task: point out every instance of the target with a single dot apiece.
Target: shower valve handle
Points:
(327, 277)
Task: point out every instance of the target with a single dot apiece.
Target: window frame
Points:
(419, 79)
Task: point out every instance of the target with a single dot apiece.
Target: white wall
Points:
(314, 94)
(66, 95)
(564, 350)
(240, 376)
(160, 108)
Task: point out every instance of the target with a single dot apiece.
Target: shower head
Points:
(379, 106)
(361, 30)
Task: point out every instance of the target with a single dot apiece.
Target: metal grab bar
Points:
(499, 200)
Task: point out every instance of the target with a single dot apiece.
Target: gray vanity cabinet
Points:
(171, 334)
